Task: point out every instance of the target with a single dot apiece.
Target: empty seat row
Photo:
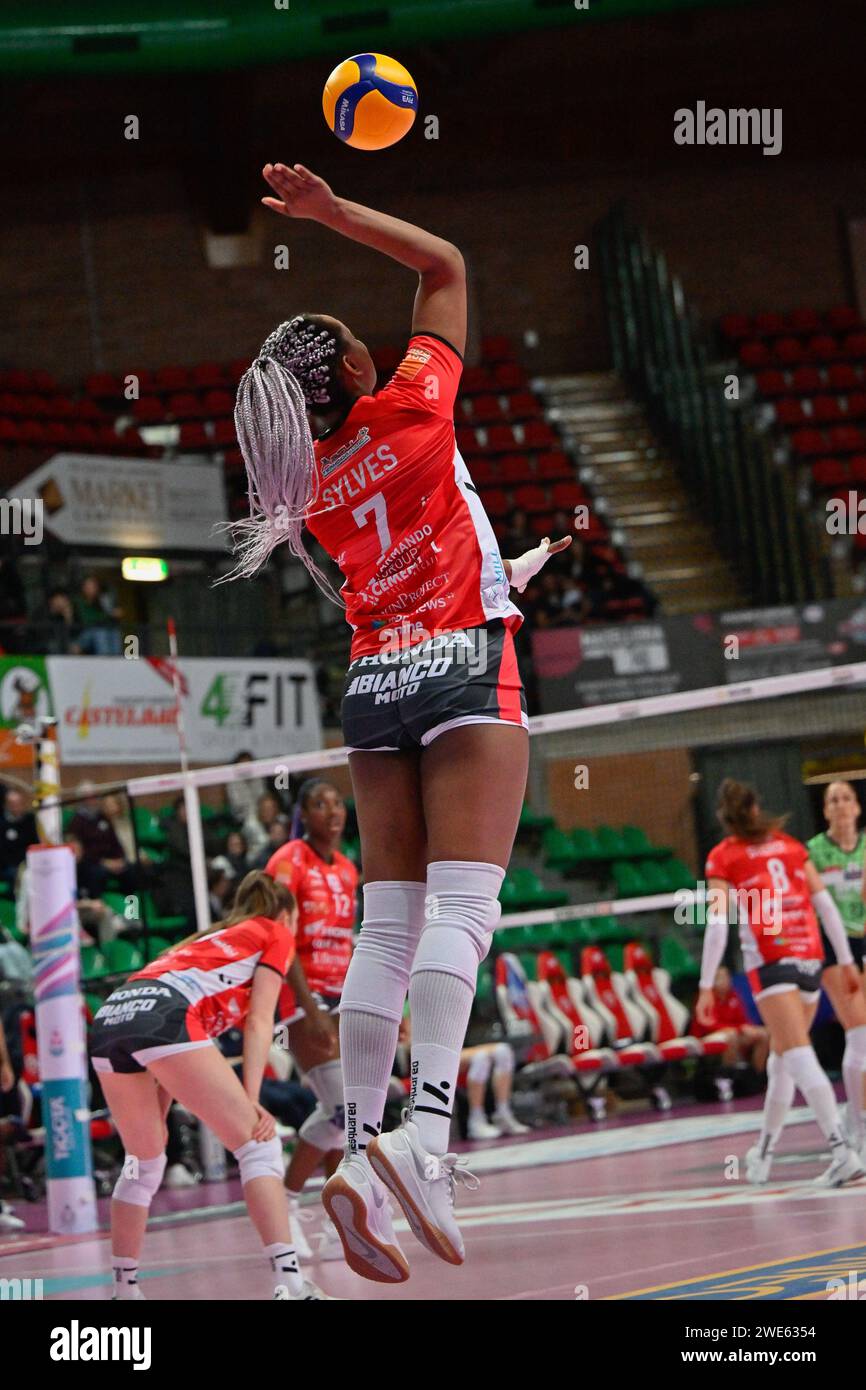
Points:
(824, 347)
(792, 411)
(838, 439)
(833, 472)
(506, 439)
(811, 381)
(555, 465)
(840, 319)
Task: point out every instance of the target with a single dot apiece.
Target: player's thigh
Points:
(387, 788)
(473, 782)
(137, 1111)
(786, 1018)
(205, 1083)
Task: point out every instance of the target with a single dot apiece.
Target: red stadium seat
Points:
(484, 472)
(514, 468)
(235, 370)
(807, 442)
(771, 382)
(495, 501)
(224, 432)
(172, 379)
(537, 434)
(846, 439)
(754, 354)
(605, 992)
(467, 441)
(148, 410)
(854, 347)
(216, 403)
(829, 472)
(857, 405)
(500, 439)
(509, 376)
(857, 468)
(476, 380)
(485, 410)
(790, 412)
(209, 374)
(554, 464)
(193, 435)
(185, 405)
(789, 350)
(532, 498)
(823, 347)
(806, 381)
(561, 995)
(827, 410)
(102, 385)
(522, 405)
(567, 495)
(650, 990)
(841, 376)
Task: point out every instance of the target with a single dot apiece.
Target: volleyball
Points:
(370, 101)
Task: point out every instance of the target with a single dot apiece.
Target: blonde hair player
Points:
(838, 854)
(778, 892)
(434, 713)
(152, 1042)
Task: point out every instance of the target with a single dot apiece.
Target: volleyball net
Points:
(619, 812)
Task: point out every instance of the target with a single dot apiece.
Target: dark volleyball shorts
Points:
(141, 1022)
(404, 699)
(855, 942)
(779, 976)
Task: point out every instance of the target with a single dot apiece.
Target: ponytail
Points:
(740, 813)
(258, 895)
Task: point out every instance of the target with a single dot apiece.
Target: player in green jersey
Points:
(838, 854)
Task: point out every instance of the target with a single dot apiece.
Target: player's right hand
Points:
(300, 193)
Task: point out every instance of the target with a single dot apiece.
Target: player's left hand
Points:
(266, 1125)
(851, 979)
(527, 565)
(300, 193)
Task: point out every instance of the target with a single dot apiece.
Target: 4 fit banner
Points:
(110, 709)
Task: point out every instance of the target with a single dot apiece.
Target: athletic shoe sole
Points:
(430, 1236)
(363, 1252)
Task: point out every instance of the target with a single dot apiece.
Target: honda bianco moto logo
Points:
(77, 1343)
(737, 126)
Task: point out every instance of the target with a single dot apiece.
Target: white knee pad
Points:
(260, 1160)
(378, 975)
(855, 1047)
(804, 1069)
(323, 1130)
(326, 1083)
(503, 1059)
(480, 1067)
(462, 911)
(139, 1181)
(780, 1083)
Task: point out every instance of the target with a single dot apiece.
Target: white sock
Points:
(125, 1275)
(477, 1112)
(440, 1006)
(368, 1043)
(284, 1263)
(853, 1063)
(809, 1078)
(777, 1103)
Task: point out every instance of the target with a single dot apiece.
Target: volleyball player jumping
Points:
(778, 892)
(433, 710)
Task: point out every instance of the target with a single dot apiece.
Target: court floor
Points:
(648, 1208)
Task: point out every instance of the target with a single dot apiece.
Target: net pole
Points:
(195, 834)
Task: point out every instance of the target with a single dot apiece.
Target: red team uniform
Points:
(325, 894)
(188, 996)
(779, 932)
(398, 512)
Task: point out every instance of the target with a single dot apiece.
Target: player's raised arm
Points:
(440, 302)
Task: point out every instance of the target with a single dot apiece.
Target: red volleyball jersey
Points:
(776, 916)
(727, 1013)
(398, 512)
(215, 972)
(326, 910)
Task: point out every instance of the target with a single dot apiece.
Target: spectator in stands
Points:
(61, 632)
(747, 1042)
(172, 885)
(257, 828)
(278, 833)
(92, 825)
(98, 618)
(612, 588)
(518, 537)
(17, 832)
(220, 887)
(243, 797)
(97, 920)
(237, 852)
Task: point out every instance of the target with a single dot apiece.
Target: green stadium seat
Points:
(559, 850)
(155, 947)
(7, 914)
(148, 829)
(610, 843)
(677, 959)
(122, 957)
(6, 890)
(577, 932)
(679, 875)
(484, 986)
(528, 959)
(614, 953)
(530, 892)
(352, 850)
(94, 1002)
(585, 845)
(93, 965)
(635, 841)
(629, 879)
(656, 877)
(531, 820)
(164, 925)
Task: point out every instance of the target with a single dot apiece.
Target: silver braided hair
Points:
(291, 374)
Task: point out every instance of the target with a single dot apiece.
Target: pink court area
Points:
(647, 1209)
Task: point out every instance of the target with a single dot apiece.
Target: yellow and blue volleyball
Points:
(370, 101)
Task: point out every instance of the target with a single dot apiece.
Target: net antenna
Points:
(195, 834)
